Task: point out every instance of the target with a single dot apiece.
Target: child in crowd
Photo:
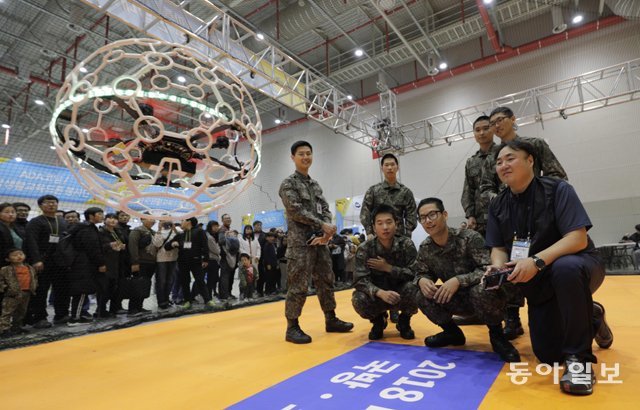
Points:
(18, 282)
(248, 277)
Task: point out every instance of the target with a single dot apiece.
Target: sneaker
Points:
(78, 322)
(121, 312)
(61, 320)
(442, 339)
(578, 377)
(297, 336)
(186, 305)
(604, 336)
(211, 303)
(144, 311)
(42, 324)
(377, 330)
(335, 325)
(134, 313)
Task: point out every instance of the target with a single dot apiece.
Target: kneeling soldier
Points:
(457, 257)
(383, 279)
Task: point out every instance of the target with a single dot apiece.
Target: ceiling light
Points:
(52, 147)
(278, 121)
(487, 1)
(349, 97)
(18, 158)
(182, 79)
(82, 70)
(39, 102)
(260, 36)
(359, 52)
(207, 115)
(577, 19)
(85, 130)
(443, 66)
(6, 126)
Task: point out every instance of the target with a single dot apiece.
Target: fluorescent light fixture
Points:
(182, 79)
(349, 97)
(85, 130)
(82, 70)
(487, 1)
(443, 66)
(39, 102)
(52, 147)
(577, 19)
(18, 158)
(359, 52)
(260, 36)
(6, 126)
(278, 121)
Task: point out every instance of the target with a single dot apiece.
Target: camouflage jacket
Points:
(398, 196)
(471, 200)
(401, 256)
(546, 164)
(464, 257)
(305, 207)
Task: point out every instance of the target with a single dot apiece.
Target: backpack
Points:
(66, 253)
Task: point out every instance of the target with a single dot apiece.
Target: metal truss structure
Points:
(586, 92)
(249, 55)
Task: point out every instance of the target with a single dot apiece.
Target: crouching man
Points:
(383, 279)
(457, 257)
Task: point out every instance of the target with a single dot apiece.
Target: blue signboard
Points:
(385, 376)
(271, 219)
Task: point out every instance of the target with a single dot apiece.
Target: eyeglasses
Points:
(432, 216)
(497, 121)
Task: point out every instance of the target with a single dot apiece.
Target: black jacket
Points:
(84, 270)
(199, 247)
(6, 242)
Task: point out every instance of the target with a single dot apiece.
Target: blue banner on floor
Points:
(385, 376)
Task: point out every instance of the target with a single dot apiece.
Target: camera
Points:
(496, 278)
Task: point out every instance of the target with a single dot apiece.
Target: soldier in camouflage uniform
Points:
(503, 121)
(310, 230)
(383, 279)
(475, 209)
(390, 192)
(457, 258)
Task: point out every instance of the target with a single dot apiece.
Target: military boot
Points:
(377, 330)
(501, 345)
(512, 325)
(335, 325)
(404, 327)
(295, 334)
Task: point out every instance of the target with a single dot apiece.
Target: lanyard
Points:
(51, 226)
(114, 235)
(513, 212)
(187, 236)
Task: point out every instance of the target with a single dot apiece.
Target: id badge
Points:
(187, 245)
(520, 249)
(319, 208)
(54, 239)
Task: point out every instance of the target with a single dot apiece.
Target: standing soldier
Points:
(503, 122)
(383, 279)
(310, 230)
(390, 192)
(475, 209)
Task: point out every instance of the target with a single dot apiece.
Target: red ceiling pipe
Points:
(33, 78)
(483, 62)
(491, 32)
(264, 6)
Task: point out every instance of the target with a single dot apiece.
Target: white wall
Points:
(600, 150)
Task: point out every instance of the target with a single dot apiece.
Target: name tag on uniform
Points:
(187, 245)
(520, 249)
(54, 239)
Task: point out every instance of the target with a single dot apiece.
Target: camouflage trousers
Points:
(370, 308)
(303, 264)
(488, 305)
(14, 309)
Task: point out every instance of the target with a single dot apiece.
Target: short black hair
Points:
(91, 212)
(244, 255)
(270, 233)
(480, 118)
(388, 155)
(73, 211)
(6, 205)
(432, 200)
(47, 197)
(193, 220)
(517, 145)
(121, 212)
(17, 204)
(638, 227)
(109, 215)
(257, 222)
(383, 209)
(299, 144)
(504, 110)
(10, 251)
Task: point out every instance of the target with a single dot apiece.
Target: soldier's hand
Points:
(379, 264)
(388, 296)
(427, 287)
(329, 229)
(472, 223)
(447, 290)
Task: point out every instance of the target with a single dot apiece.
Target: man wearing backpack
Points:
(143, 260)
